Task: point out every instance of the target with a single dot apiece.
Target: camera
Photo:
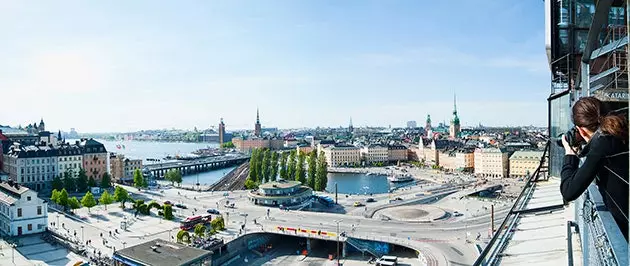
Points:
(573, 138)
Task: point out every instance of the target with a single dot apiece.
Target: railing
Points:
(491, 252)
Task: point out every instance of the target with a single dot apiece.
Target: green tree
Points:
(321, 177)
(218, 224)
(121, 195)
(106, 180)
(63, 199)
(227, 145)
(57, 183)
(88, 200)
(259, 164)
(253, 174)
(68, 182)
(91, 182)
(183, 236)
(177, 176)
(300, 175)
(273, 171)
(138, 179)
(199, 230)
(266, 161)
(312, 169)
(82, 183)
(168, 176)
(73, 203)
(168, 211)
(106, 199)
(250, 184)
(283, 166)
(55, 196)
(291, 166)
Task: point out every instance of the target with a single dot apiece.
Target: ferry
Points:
(400, 178)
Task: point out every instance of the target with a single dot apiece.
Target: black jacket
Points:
(606, 162)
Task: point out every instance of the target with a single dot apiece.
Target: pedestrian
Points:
(101, 234)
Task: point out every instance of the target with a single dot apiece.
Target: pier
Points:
(187, 167)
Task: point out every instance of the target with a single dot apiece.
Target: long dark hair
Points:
(591, 113)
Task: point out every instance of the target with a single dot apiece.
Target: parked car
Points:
(168, 202)
(213, 211)
(457, 214)
(358, 204)
(370, 200)
(181, 206)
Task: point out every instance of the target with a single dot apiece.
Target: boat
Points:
(400, 178)
(368, 174)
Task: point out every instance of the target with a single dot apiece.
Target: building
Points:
(412, 124)
(221, 132)
(342, 155)
(4, 145)
(524, 163)
(375, 153)
(257, 126)
(162, 252)
(455, 128)
(491, 162)
(428, 129)
(31, 166)
(304, 148)
(122, 169)
(94, 158)
(21, 211)
(69, 159)
(396, 153)
(247, 145)
(465, 160)
(281, 193)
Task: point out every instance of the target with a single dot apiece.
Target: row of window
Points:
(77, 158)
(36, 178)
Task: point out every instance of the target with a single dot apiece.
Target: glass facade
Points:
(560, 110)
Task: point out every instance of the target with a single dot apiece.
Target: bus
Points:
(192, 221)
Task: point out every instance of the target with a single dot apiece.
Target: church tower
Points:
(428, 130)
(221, 132)
(257, 128)
(455, 129)
(42, 126)
(350, 128)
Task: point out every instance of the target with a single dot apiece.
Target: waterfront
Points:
(360, 183)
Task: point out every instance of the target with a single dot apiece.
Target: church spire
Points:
(257, 116)
(454, 104)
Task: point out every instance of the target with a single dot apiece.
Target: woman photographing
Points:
(605, 157)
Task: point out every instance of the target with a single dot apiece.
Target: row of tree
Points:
(201, 230)
(81, 183)
(265, 165)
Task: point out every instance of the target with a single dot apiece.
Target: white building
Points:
(69, 159)
(21, 211)
(31, 166)
(342, 155)
(374, 153)
(491, 162)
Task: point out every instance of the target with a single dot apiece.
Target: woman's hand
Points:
(568, 150)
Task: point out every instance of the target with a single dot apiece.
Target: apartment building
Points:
(122, 168)
(21, 211)
(491, 162)
(524, 163)
(342, 155)
(374, 153)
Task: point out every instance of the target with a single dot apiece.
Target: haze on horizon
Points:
(124, 66)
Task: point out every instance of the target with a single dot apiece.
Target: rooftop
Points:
(161, 252)
(280, 184)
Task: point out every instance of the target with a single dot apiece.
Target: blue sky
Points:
(103, 66)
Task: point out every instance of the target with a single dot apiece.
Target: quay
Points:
(187, 167)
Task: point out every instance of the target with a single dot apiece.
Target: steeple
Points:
(454, 104)
(257, 116)
(257, 127)
(350, 127)
(454, 129)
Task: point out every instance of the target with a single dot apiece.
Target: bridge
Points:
(187, 167)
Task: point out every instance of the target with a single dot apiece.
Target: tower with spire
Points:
(454, 129)
(221, 132)
(257, 127)
(427, 125)
(350, 127)
(42, 126)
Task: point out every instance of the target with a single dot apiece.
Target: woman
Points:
(606, 158)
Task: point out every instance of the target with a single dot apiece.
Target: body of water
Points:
(351, 183)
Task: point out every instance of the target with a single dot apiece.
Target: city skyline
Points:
(187, 65)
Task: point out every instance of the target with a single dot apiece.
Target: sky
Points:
(120, 66)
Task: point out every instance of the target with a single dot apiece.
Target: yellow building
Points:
(247, 145)
(396, 153)
(375, 154)
(465, 160)
(491, 162)
(304, 149)
(342, 155)
(524, 163)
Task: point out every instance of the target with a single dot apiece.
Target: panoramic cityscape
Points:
(314, 133)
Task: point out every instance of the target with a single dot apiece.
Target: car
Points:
(457, 214)
(213, 211)
(181, 206)
(398, 198)
(370, 200)
(168, 202)
(358, 204)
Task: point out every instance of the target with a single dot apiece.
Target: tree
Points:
(57, 183)
(266, 161)
(138, 179)
(63, 199)
(227, 145)
(55, 196)
(253, 174)
(106, 199)
(291, 166)
(88, 200)
(121, 195)
(259, 164)
(91, 182)
(106, 180)
(82, 183)
(312, 169)
(250, 184)
(73, 203)
(283, 166)
(218, 224)
(168, 211)
(183, 236)
(300, 175)
(154, 204)
(321, 177)
(68, 182)
(273, 171)
(177, 176)
(199, 230)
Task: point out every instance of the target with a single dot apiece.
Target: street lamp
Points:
(13, 252)
(338, 221)
(57, 220)
(82, 236)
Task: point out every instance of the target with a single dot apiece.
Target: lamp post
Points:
(13, 253)
(82, 236)
(57, 220)
(338, 221)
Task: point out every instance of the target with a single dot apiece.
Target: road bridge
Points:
(187, 167)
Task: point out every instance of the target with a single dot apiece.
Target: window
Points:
(30, 227)
(28, 198)
(19, 212)
(39, 210)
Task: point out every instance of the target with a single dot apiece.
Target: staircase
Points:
(368, 246)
